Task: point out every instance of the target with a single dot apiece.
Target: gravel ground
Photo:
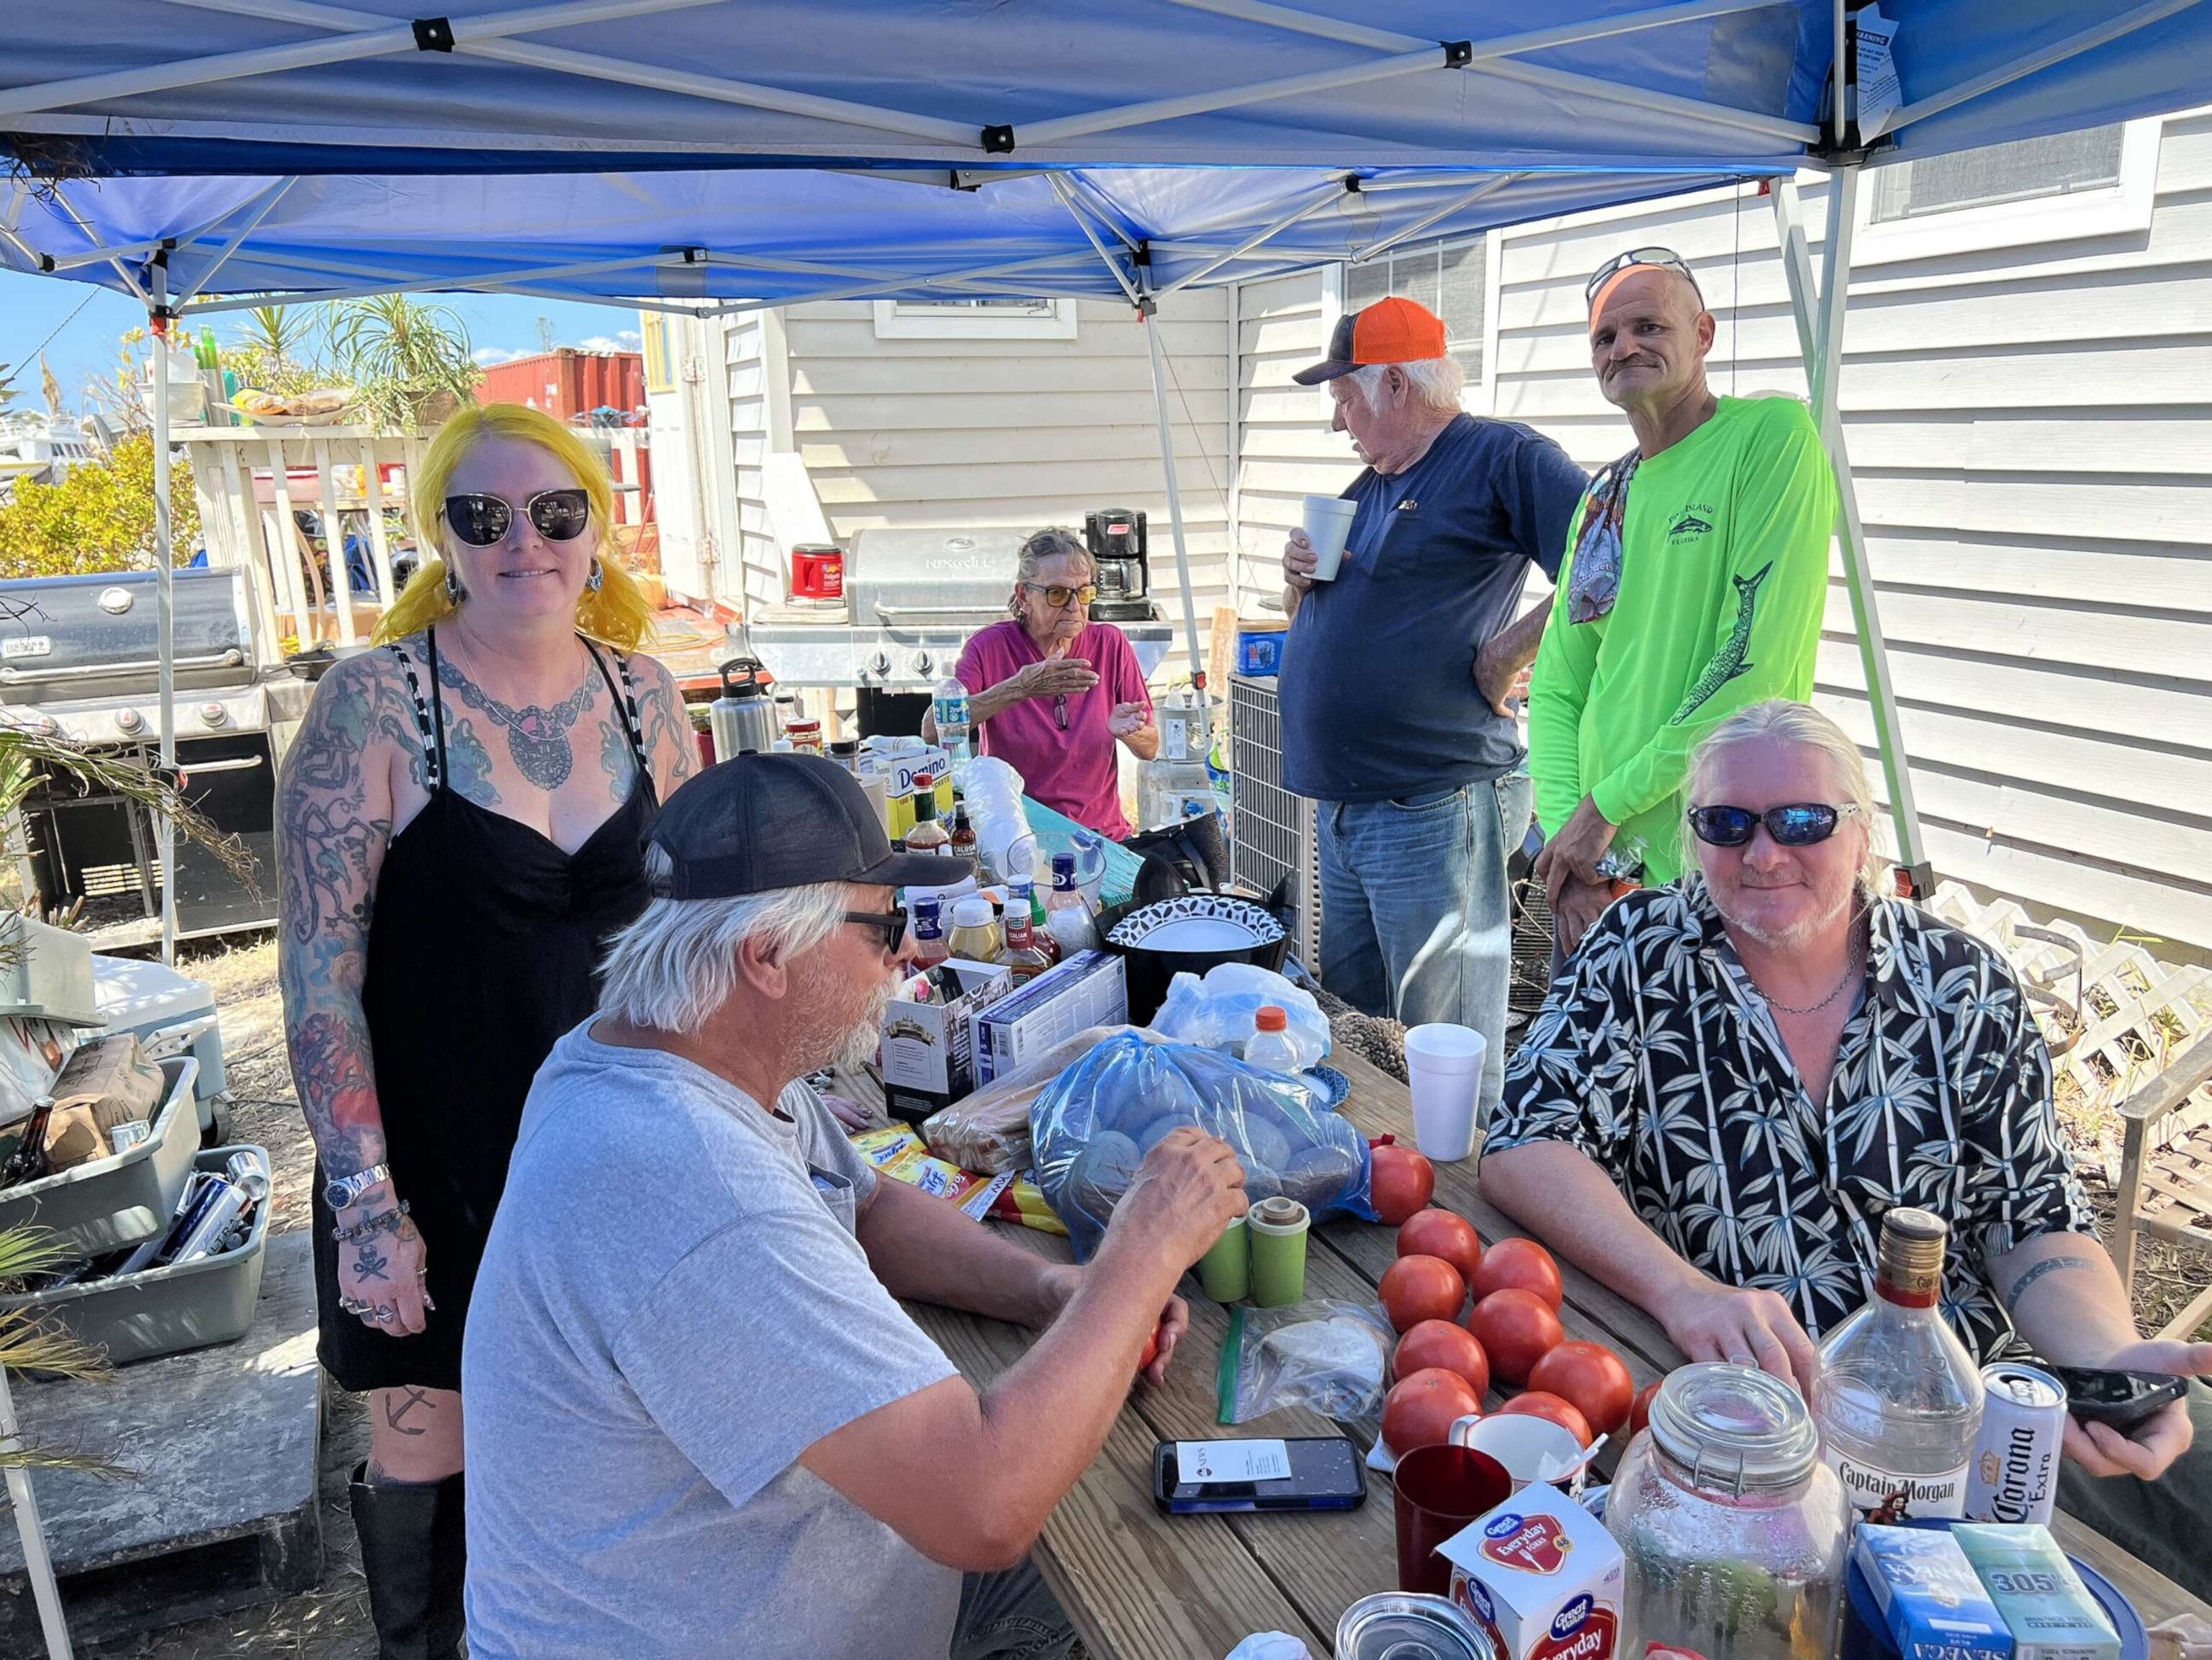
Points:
(331, 1622)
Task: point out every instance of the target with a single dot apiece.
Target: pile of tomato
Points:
(1445, 1362)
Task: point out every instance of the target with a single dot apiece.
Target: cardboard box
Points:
(926, 1056)
(105, 1083)
(2042, 1601)
(1541, 1575)
(1929, 1596)
(1090, 988)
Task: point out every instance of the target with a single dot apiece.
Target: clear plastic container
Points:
(975, 936)
(1735, 1532)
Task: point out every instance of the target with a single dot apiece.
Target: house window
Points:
(659, 360)
(1448, 280)
(979, 318)
(2056, 166)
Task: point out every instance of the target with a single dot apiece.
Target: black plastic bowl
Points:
(1151, 966)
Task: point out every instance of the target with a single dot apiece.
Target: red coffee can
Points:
(817, 572)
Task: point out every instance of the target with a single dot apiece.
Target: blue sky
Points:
(32, 308)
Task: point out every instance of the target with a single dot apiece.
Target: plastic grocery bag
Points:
(1324, 1354)
(990, 1131)
(1093, 1125)
(1216, 1012)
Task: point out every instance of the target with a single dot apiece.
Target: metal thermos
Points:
(743, 716)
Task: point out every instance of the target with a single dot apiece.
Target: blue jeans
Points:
(1010, 1615)
(1416, 921)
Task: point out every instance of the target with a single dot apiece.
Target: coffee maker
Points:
(1115, 537)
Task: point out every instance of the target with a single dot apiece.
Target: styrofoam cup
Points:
(1443, 1047)
(1443, 1070)
(1328, 522)
(1526, 1444)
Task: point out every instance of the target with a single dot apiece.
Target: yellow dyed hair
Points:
(618, 615)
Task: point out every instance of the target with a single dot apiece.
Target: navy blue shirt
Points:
(1377, 684)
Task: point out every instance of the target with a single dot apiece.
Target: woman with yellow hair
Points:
(461, 823)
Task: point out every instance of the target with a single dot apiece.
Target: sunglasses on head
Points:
(1667, 258)
(482, 521)
(1799, 825)
(891, 924)
(1059, 598)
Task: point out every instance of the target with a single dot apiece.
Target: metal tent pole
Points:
(1819, 318)
(38, 1564)
(1149, 320)
(165, 599)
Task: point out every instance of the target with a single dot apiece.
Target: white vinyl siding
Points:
(1286, 450)
(745, 355)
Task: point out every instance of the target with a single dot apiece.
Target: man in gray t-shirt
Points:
(698, 1422)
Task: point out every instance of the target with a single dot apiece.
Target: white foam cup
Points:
(1526, 1445)
(1443, 1070)
(1328, 522)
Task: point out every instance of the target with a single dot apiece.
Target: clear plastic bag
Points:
(1216, 1012)
(990, 1131)
(1094, 1124)
(1329, 1355)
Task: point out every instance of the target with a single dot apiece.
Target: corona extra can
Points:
(2013, 1476)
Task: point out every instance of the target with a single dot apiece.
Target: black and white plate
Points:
(1197, 923)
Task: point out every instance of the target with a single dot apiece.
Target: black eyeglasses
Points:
(1059, 598)
(1665, 257)
(1059, 711)
(1799, 825)
(890, 924)
(482, 521)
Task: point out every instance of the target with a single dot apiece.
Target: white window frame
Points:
(1479, 394)
(913, 320)
(2107, 211)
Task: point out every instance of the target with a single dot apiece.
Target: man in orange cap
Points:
(1694, 588)
(1394, 676)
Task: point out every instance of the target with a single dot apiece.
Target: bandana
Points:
(1593, 583)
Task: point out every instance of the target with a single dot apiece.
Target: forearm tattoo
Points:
(2048, 1265)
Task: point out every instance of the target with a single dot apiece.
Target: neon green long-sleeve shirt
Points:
(1723, 576)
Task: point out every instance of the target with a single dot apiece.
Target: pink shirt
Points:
(1073, 770)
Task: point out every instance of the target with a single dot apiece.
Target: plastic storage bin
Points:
(128, 1196)
(167, 1310)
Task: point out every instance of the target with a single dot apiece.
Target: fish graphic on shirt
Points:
(1730, 661)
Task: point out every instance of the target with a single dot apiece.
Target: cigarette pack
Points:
(1929, 1596)
(2041, 1599)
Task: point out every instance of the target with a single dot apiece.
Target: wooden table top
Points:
(1144, 1586)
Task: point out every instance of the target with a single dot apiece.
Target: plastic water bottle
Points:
(1269, 1047)
(950, 704)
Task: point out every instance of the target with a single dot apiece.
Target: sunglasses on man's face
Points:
(1060, 599)
(1799, 825)
(890, 924)
(1665, 257)
(482, 521)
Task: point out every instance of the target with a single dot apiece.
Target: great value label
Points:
(1542, 1576)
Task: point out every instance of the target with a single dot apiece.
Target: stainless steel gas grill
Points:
(914, 597)
(79, 659)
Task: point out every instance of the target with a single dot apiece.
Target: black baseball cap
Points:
(764, 822)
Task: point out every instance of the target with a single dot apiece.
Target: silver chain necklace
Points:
(1851, 973)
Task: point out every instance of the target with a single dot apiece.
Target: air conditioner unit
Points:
(1272, 831)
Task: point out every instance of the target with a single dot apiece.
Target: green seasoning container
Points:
(1226, 1271)
(1278, 1228)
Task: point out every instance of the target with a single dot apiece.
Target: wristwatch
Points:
(342, 1190)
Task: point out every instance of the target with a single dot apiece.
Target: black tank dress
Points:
(481, 952)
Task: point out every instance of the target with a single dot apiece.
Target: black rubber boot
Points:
(414, 1548)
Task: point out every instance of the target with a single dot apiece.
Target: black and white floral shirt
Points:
(1657, 1058)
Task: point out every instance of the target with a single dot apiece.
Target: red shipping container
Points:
(568, 383)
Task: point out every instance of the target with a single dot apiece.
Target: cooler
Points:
(173, 1014)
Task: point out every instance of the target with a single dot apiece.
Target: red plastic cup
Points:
(1440, 1490)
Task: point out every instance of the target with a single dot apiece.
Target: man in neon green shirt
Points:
(1695, 579)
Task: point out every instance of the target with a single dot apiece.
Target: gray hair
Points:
(1436, 382)
(1800, 723)
(1054, 541)
(676, 966)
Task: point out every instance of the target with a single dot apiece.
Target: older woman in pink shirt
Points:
(1050, 692)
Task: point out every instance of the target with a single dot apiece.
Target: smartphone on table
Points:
(1202, 1478)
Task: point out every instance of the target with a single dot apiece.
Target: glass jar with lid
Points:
(1736, 1533)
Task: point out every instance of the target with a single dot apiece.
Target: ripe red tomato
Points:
(1417, 1288)
(1535, 1403)
(1402, 1183)
(1521, 1264)
(1444, 1343)
(1418, 1411)
(1434, 1233)
(1515, 1329)
(1592, 1377)
(1640, 1414)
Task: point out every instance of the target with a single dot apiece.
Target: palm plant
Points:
(406, 358)
(278, 348)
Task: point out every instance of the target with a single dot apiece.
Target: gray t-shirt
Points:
(672, 1307)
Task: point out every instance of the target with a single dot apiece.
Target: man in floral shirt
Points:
(1735, 1076)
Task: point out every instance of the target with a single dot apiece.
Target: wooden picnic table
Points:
(1144, 1586)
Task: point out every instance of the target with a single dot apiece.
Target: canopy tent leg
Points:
(37, 1564)
(1149, 322)
(165, 599)
(1820, 332)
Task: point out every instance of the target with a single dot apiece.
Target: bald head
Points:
(1650, 333)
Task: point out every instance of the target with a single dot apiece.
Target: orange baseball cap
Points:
(1392, 330)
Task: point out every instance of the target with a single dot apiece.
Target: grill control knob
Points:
(130, 720)
(879, 665)
(45, 725)
(213, 714)
(922, 663)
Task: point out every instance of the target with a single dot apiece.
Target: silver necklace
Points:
(1851, 973)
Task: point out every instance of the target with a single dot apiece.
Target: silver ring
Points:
(384, 1314)
(1741, 1361)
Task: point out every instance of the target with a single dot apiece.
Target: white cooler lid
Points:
(136, 994)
